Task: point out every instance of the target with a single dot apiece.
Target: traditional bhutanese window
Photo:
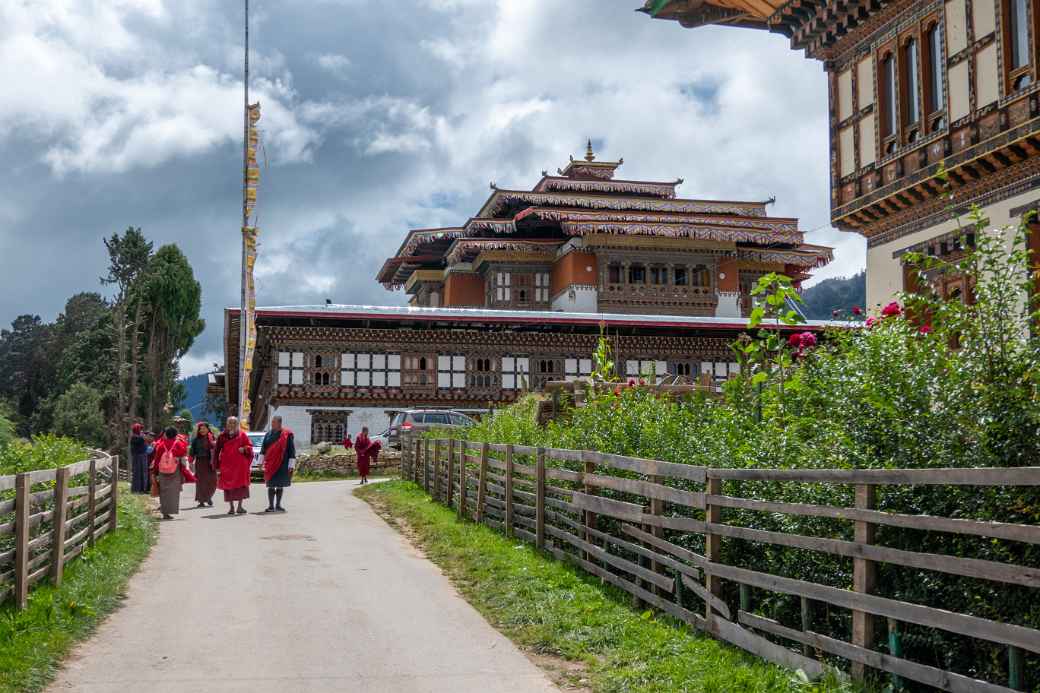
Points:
(614, 273)
(541, 287)
(1016, 42)
(701, 276)
(636, 274)
(935, 99)
(683, 369)
(912, 93)
(451, 371)
(680, 276)
(482, 373)
(720, 371)
(515, 372)
(418, 371)
(370, 370)
(658, 275)
(577, 368)
(888, 100)
(290, 368)
(503, 286)
(644, 368)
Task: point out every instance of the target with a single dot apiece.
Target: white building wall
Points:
(885, 273)
(297, 419)
(728, 305)
(577, 299)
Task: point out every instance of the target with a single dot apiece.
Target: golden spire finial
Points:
(589, 156)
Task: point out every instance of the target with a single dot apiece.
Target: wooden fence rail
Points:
(49, 521)
(632, 522)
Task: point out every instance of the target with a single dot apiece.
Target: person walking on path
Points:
(171, 471)
(279, 457)
(138, 460)
(364, 447)
(234, 455)
(201, 453)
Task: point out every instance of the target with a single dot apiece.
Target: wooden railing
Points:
(638, 539)
(52, 516)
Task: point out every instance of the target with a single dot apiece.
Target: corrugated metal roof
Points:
(341, 311)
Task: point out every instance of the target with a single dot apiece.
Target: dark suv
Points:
(417, 420)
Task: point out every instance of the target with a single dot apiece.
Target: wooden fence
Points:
(555, 499)
(52, 516)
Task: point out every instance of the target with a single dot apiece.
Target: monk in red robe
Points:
(279, 452)
(364, 447)
(234, 455)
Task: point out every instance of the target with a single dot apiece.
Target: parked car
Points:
(424, 420)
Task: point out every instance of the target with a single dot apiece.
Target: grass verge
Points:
(34, 641)
(552, 610)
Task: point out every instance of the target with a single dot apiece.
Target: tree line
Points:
(105, 363)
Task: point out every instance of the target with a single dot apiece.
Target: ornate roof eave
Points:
(695, 13)
(500, 198)
(797, 257)
(466, 249)
(680, 230)
(765, 224)
(631, 187)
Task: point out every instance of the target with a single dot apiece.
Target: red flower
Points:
(807, 340)
(870, 321)
(631, 382)
(795, 340)
(856, 310)
(891, 309)
(642, 381)
(924, 329)
(617, 391)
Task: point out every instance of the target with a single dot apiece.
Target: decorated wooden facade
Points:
(584, 241)
(518, 296)
(914, 86)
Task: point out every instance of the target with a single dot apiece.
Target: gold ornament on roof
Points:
(589, 156)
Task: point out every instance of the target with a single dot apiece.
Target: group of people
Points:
(162, 464)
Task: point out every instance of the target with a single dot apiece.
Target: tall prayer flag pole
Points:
(250, 179)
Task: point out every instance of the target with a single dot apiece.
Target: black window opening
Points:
(888, 95)
(636, 274)
(614, 274)
(680, 276)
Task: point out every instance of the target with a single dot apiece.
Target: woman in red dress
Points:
(234, 454)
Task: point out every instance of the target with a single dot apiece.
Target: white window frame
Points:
(365, 369)
(541, 287)
(290, 367)
(577, 368)
(451, 371)
(516, 372)
(641, 368)
(503, 286)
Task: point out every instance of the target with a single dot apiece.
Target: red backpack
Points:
(167, 462)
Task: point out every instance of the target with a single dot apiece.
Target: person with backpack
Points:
(169, 465)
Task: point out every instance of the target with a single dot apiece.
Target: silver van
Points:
(417, 420)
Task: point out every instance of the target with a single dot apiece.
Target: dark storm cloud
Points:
(128, 112)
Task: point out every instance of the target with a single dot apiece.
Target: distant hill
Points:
(842, 293)
(195, 396)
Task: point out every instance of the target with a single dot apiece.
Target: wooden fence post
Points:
(61, 499)
(426, 466)
(21, 540)
(91, 502)
(462, 480)
(539, 499)
(449, 492)
(712, 543)
(113, 506)
(806, 624)
(864, 574)
(415, 460)
(482, 481)
(657, 509)
(509, 490)
(589, 467)
(437, 469)
(1016, 669)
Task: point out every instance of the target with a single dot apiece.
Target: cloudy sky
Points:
(377, 117)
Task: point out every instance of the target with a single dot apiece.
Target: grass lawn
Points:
(34, 641)
(550, 609)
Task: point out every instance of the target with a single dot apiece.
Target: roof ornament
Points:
(492, 185)
(679, 181)
(771, 200)
(545, 173)
(589, 156)
(560, 170)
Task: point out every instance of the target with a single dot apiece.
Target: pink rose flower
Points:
(891, 309)
(870, 321)
(924, 329)
(856, 310)
(795, 340)
(807, 340)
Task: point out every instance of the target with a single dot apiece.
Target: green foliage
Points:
(840, 294)
(37, 639)
(555, 610)
(939, 384)
(46, 451)
(77, 414)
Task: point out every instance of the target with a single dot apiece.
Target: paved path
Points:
(325, 597)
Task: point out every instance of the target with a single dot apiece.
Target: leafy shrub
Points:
(928, 383)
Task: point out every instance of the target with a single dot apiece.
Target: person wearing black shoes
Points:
(278, 453)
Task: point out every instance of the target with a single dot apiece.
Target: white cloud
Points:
(336, 64)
